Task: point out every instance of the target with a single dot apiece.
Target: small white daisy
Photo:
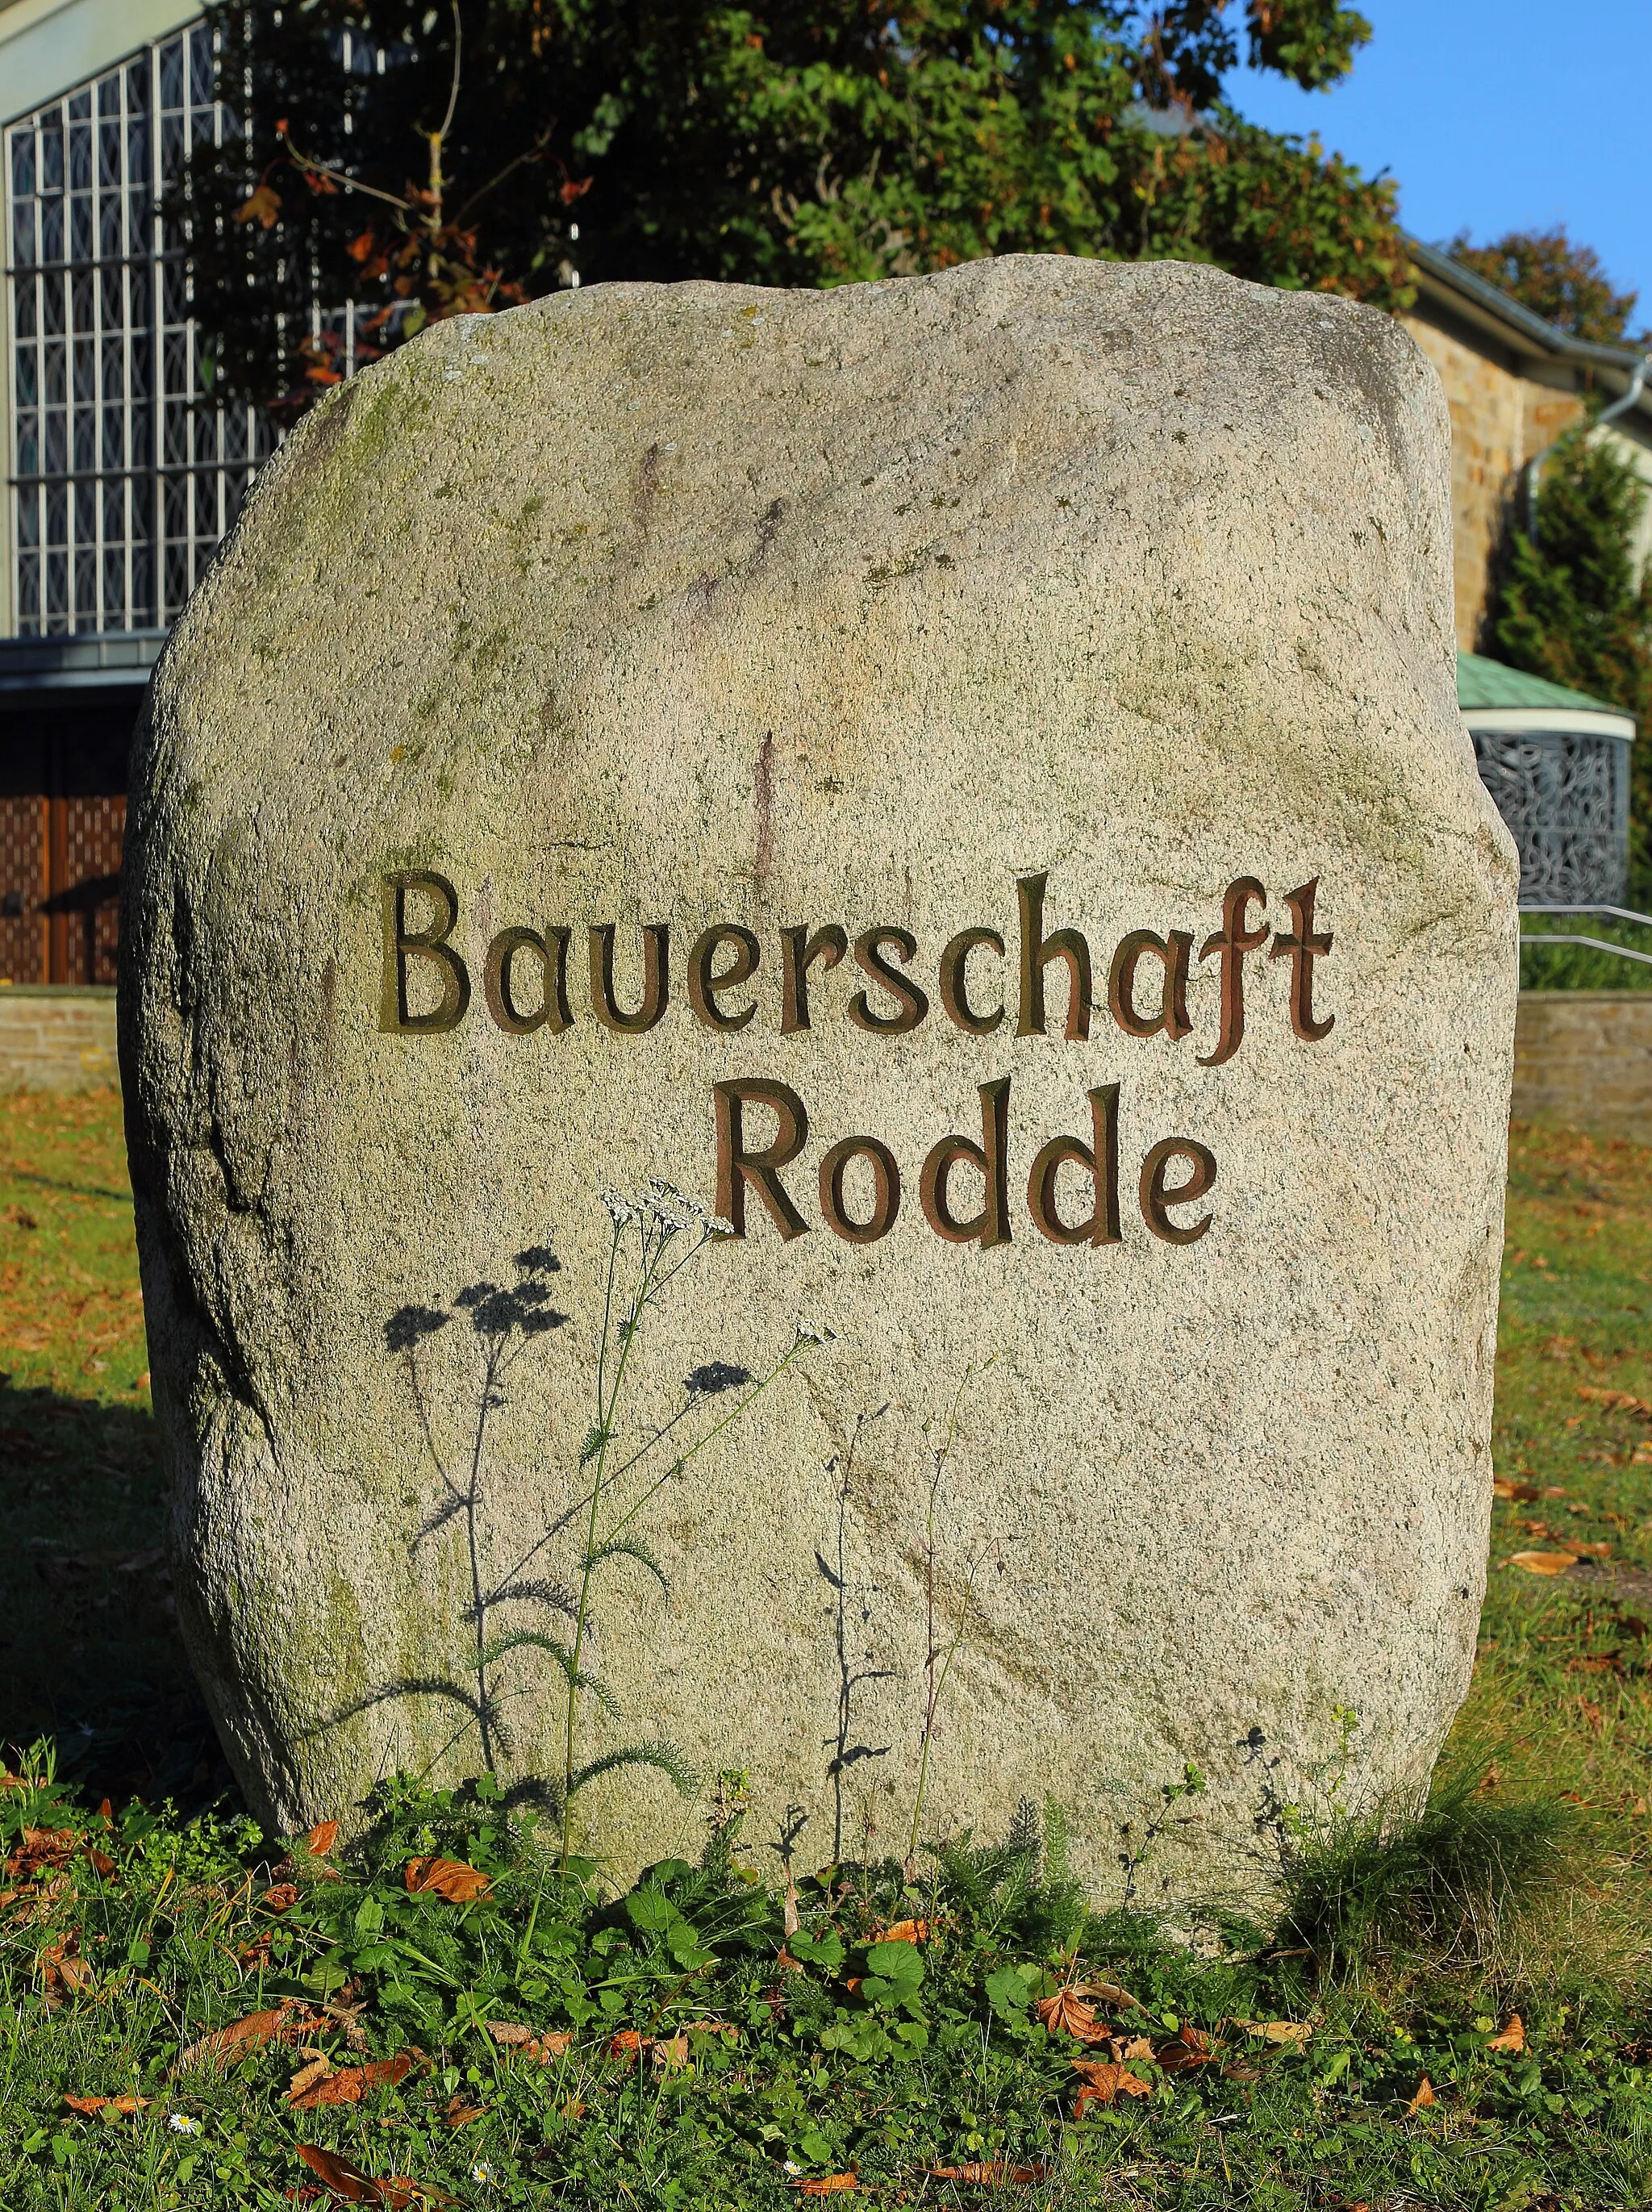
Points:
(182, 2124)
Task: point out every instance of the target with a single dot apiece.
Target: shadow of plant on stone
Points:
(622, 1468)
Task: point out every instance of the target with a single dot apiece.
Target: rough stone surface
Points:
(701, 604)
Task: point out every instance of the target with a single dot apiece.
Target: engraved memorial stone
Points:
(963, 776)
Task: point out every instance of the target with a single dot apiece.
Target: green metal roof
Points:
(1482, 683)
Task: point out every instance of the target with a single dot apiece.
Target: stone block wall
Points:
(1584, 1059)
(57, 1038)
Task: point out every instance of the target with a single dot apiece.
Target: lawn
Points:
(1456, 2016)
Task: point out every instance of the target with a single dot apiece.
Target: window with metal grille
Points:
(123, 474)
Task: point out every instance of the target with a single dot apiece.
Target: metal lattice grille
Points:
(1565, 797)
(124, 475)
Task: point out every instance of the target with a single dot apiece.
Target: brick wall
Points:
(57, 1038)
(1584, 1059)
(1498, 421)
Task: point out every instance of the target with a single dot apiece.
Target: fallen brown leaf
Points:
(904, 1931)
(1110, 1993)
(91, 2105)
(1593, 1714)
(448, 1878)
(321, 1838)
(1068, 2013)
(512, 2036)
(282, 1898)
(824, 2185)
(102, 1864)
(307, 2076)
(1615, 1402)
(1544, 1563)
(1610, 1662)
(991, 2175)
(355, 2186)
(1296, 2032)
(1425, 2096)
(669, 2051)
(64, 1969)
(1189, 2048)
(1599, 1550)
(1523, 1494)
(1510, 2037)
(282, 2025)
(351, 2083)
(1104, 2082)
(458, 2114)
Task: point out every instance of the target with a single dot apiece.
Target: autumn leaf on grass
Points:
(1522, 1494)
(1289, 2032)
(994, 2174)
(227, 2044)
(904, 1931)
(64, 1972)
(1188, 2048)
(307, 2076)
(1615, 1402)
(351, 2083)
(1104, 2082)
(1510, 2037)
(321, 1838)
(448, 1878)
(1601, 1549)
(282, 1898)
(458, 2114)
(1425, 2096)
(354, 2187)
(530, 2041)
(1544, 1563)
(1068, 2013)
(1110, 1993)
(91, 2105)
(824, 2185)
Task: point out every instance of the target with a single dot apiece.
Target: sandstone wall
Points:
(57, 1038)
(1584, 1059)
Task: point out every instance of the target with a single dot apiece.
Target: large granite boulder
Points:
(1005, 718)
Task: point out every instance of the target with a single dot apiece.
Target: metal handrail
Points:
(1597, 943)
(1594, 944)
(1620, 913)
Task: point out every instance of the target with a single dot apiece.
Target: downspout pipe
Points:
(1637, 385)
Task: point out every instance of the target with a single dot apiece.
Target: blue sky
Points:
(1497, 115)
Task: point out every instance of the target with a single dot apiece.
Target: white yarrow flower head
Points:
(716, 1226)
(622, 1209)
(813, 1332)
(674, 1208)
(182, 2124)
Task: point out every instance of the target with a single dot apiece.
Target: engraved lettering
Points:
(1303, 948)
(429, 943)
(498, 981)
(954, 982)
(989, 1160)
(704, 986)
(1099, 1160)
(1158, 1196)
(1038, 951)
(1173, 954)
(739, 1165)
(886, 1183)
(799, 952)
(656, 978)
(1233, 940)
(912, 1004)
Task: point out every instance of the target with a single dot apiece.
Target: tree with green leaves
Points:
(397, 162)
(1575, 606)
(1562, 283)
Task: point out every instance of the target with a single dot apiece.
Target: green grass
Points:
(1524, 1887)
